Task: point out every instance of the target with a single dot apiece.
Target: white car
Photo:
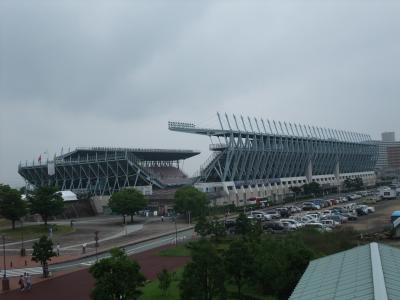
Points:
(307, 219)
(260, 215)
(295, 223)
(315, 217)
(371, 209)
(288, 225)
(329, 223)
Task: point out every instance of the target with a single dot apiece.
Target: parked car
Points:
(294, 209)
(273, 213)
(350, 216)
(337, 218)
(307, 219)
(258, 216)
(315, 216)
(274, 227)
(329, 223)
(362, 210)
(310, 206)
(261, 215)
(296, 223)
(289, 226)
(284, 212)
(371, 209)
(319, 202)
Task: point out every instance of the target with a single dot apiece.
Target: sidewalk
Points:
(17, 262)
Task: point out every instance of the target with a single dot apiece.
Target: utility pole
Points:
(5, 282)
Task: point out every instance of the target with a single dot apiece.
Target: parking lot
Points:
(363, 211)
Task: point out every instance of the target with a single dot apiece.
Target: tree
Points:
(127, 202)
(116, 277)
(280, 264)
(238, 263)
(190, 200)
(46, 202)
(204, 276)
(243, 224)
(217, 229)
(296, 190)
(202, 226)
(43, 252)
(312, 188)
(12, 207)
(164, 279)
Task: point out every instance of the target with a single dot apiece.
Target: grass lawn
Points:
(151, 291)
(36, 231)
(179, 250)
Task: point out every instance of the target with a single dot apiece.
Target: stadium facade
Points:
(251, 158)
(101, 171)
(255, 158)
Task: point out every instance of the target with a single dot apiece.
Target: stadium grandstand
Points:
(252, 158)
(102, 171)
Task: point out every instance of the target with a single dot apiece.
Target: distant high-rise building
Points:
(388, 162)
(388, 137)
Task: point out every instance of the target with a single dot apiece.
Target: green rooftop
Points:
(362, 273)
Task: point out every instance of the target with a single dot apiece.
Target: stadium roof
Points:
(362, 273)
(144, 154)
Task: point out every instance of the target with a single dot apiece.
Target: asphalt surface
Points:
(87, 261)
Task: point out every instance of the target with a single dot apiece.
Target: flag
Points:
(40, 158)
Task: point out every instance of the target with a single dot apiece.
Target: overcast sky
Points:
(113, 73)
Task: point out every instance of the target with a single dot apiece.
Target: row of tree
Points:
(44, 201)
(353, 183)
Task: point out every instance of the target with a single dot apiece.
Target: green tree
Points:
(296, 191)
(43, 252)
(190, 200)
(204, 277)
(46, 202)
(280, 264)
(238, 263)
(117, 277)
(312, 188)
(202, 226)
(12, 207)
(243, 224)
(127, 202)
(217, 229)
(164, 279)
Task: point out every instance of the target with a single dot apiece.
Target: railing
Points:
(211, 158)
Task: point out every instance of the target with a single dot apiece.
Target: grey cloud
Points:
(114, 72)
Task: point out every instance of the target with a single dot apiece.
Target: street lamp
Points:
(176, 231)
(23, 251)
(96, 239)
(5, 282)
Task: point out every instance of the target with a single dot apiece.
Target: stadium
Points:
(251, 158)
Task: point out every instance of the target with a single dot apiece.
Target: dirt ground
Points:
(78, 285)
(377, 221)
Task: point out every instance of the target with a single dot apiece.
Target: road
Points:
(131, 249)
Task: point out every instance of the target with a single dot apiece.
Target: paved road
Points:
(134, 248)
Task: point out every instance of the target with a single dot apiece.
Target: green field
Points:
(151, 291)
(35, 231)
(179, 250)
